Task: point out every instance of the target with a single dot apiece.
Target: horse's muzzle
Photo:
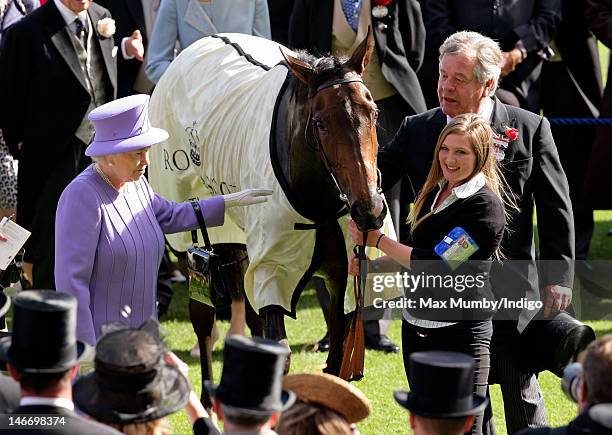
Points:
(368, 217)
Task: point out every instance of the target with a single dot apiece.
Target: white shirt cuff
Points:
(123, 52)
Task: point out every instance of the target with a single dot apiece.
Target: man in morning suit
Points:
(468, 75)
(337, 27)
(42, 355)
(56, 65)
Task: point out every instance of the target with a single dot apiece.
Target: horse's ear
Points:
(301, 69)
(361, 56)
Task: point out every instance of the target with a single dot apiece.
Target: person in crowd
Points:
(337, 26)
(595, 394)
(187, 21)
(136, 382)
(598, 182)
(9, 389)
(440, 400)
(523, 28)
(110, 223)
(526, 153)
(42, 355)
(60, 53)
(280, 13)
(463, 190)
(575, 68)
(250, 396)
(325, 405)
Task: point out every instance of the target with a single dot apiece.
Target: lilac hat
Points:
(122, 126)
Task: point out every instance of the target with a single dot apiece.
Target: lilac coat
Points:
(109, 245)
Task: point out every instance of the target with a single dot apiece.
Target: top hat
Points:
(441, 386)
(331, 392)
(551, 344)
(5, 303)
(131, 382)
(252, 376)
(122, 126)
(44, 333)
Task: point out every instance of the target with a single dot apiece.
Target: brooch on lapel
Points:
(106, 27)
(502, 137)
(380, 9)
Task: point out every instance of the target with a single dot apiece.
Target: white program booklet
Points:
(16, 236)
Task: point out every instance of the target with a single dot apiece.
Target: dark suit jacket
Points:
(581, 425)
(44, 96)
(74, 424)
(9, 394)
(532, 169)
(128, 16)
(598, 183)
(532, 21)
(400, 47)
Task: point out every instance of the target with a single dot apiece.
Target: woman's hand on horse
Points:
(246, 197)
(357, 235)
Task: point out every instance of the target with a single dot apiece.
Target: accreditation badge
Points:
(500, 143)
(456, 247)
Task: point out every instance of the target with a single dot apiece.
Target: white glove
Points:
(246, 197)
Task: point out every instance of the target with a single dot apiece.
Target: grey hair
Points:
(487, 52)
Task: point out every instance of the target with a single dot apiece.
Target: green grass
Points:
(383, 373)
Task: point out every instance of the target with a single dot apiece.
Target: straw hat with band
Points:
(331, 392)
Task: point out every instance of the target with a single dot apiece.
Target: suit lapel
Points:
(58, 32)
(197, 18)
(106, 44)
(500, 114)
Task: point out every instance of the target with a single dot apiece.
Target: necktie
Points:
(351, 9)
(81, 30)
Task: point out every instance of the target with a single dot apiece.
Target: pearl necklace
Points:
(104, 177)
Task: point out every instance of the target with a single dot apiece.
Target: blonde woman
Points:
(463, 190)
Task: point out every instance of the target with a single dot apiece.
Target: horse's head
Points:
(341, 122)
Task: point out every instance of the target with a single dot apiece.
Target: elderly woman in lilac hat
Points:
(110, 224)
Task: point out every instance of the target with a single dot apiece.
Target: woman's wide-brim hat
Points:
(131, 382)
(331, 392)
(441, 386)
(122, 126)
(43, 339)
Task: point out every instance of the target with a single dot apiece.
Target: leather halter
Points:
(343, 196)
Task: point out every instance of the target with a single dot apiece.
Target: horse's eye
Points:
(319, 125)
(376, 113)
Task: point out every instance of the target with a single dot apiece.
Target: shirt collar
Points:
(58, 402)
(468, 188)
(67, 14)
(485, 112)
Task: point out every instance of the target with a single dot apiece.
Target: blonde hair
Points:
(480, 137)
(307, 418)
(155, 427)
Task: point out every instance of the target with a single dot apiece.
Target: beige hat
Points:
(330, 391)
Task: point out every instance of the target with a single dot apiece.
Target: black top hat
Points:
(131, 382)
(5, 303)
(442, 385)
(551, 344)
(44, 333)
(252, 376)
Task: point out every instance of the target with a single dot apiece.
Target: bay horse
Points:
(316, 148)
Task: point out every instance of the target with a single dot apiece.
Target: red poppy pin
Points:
(511, 133)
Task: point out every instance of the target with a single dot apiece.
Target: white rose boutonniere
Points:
(106, 27)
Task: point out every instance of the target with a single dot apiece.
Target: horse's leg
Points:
(255, 323)
(202, 318)
(334, 265)
(274, 329)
